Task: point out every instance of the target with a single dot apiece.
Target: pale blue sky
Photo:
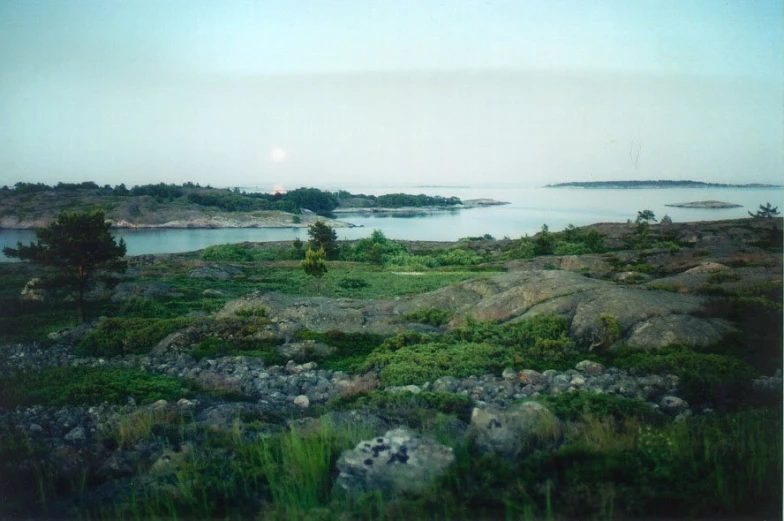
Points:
(391, 91)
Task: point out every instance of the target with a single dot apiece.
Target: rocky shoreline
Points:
(714, 205)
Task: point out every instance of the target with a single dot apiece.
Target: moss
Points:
(574, 405)
(430, 316)
(447, 403)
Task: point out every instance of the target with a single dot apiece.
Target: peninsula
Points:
(711, 205)
(655, 184)
(29, 205)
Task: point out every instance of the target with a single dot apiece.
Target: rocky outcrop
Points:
(400, 461)
(515, 432)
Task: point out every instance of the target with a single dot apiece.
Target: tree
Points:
(544, 242)
(645, 216)
(323, 237)
(314, 264)
(766, 211)
(76, 244)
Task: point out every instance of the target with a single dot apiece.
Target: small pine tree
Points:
(323, 237)
(766, 211)
(314, 264)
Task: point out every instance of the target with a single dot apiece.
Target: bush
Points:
(227, 252)
(141, 307)
(420, 363)
(350, 348)
(574, 405)
(430, 316)
(704, 378)
(89, 385)
(123, 336)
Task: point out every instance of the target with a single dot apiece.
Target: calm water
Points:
(530, 208)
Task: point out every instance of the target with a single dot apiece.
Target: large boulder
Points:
(512, 433)
(401, 461)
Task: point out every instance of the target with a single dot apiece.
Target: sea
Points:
(529, 208)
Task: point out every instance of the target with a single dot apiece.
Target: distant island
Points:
(655, 184)
(713, 205)
(189, 205)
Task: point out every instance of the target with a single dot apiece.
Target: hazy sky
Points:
(381, 92)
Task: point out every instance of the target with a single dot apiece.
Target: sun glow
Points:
(278, 155)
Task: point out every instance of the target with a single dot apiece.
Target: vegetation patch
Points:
(123, 336)
(573, 406)
(704, 378)
(459, 405)
(351, 349)
(429, 316)
(88, 386)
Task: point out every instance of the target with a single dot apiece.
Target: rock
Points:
(706, 267)
(302, 401)
(402, 389)
(215, 272)
(590, 368)
(150, 290)
(160, 404)
(307, 350)
(34, 291)
(520, 429)
(681, 330)
(531, 377)
(509, 374)
(673, 405)
(76, 434)
(400, 461)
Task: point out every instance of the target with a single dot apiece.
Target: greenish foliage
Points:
(124, 336)
(259, 312)
(427, 362)
(314, 264)
(228, 252)
(717, 380)
(645, 216)
(214, 347)
(60, 386)
(607, 332)
(351, 349)
(766, 211)
(459, 405)
(140, 307)
(352, 283)
(722, 277)
(573, 406)
(569, 241)
(429, 316)
(75, 244)
(323, 237)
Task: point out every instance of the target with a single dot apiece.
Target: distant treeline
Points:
(654, 184)
(294, 201)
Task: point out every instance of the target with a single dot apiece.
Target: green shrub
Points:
(214, 347)
(141, 307)
(350, 348)
(352, 283)
(89, 385)
(721, 277)
(446, 403)
(420, 363)
(704, 378)
(430, 316)
(569, 248)
(259, 312)
(122, 336)
(228, 252)
(574, 405)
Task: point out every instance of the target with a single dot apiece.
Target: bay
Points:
(530, 207)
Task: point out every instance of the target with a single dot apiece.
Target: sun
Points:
(278, 155)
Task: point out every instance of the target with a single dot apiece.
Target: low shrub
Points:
(214, 347)
(573, 406)
(140, 307)
(350, 348)
(123, 336)
(89, 385)
(429, 316)
(712, 379)
(228, 252)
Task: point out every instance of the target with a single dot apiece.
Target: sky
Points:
(373, 92)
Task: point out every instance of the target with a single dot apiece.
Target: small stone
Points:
(399, 389)
(673, 404)
(302, 401)
(531, 377)
(160, 404)
(76, 434)
(590, 367)
(34, 427)
(509, 374)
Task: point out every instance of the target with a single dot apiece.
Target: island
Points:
(189, 205)
(655, 184)
(712, 205)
